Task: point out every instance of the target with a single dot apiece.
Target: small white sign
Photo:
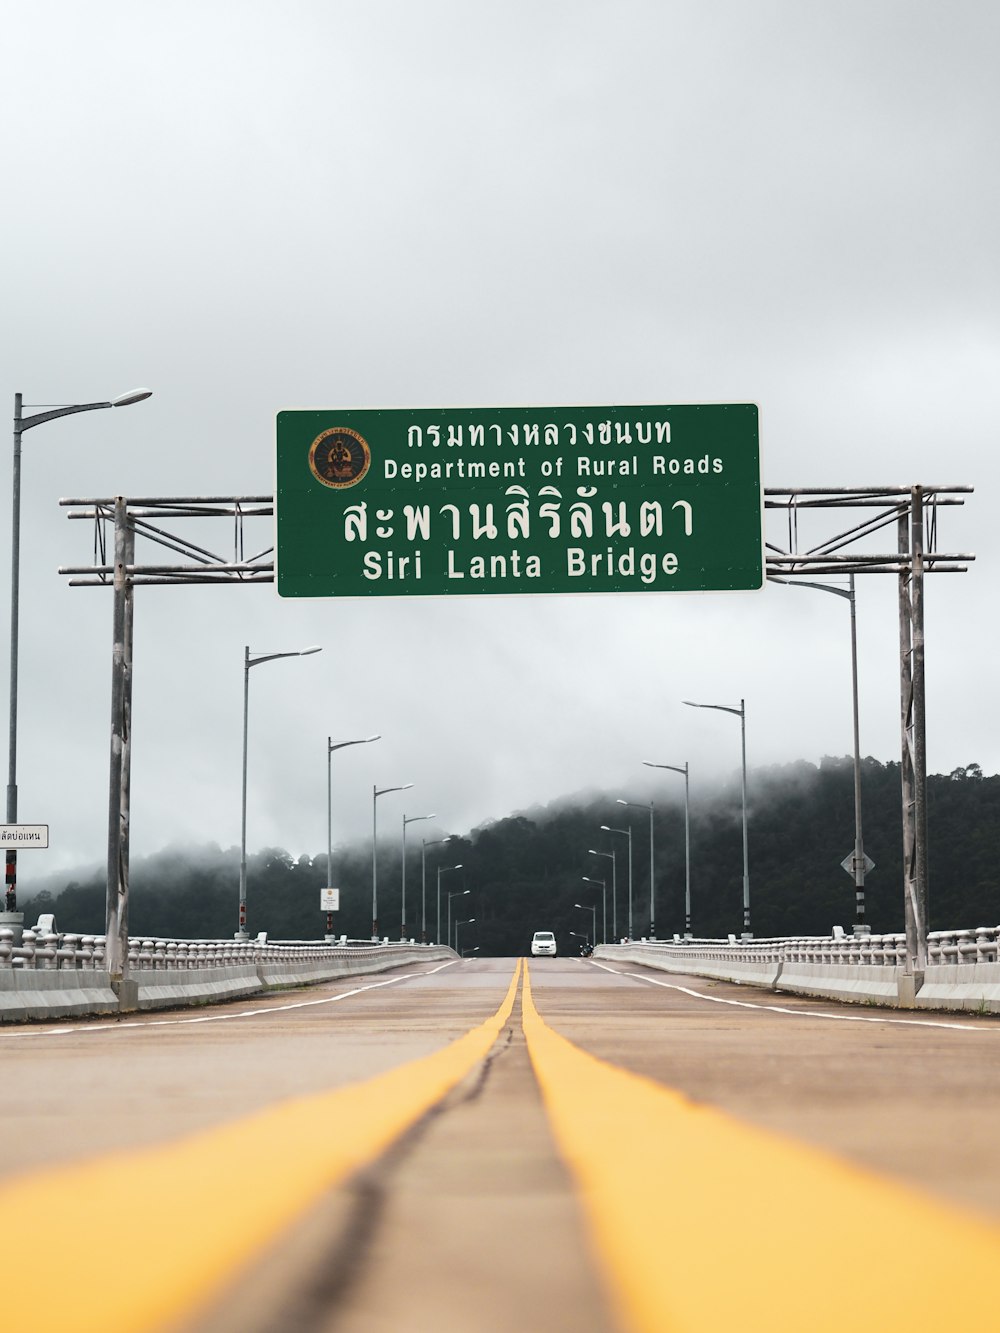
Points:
(24, 835)
(329, 900)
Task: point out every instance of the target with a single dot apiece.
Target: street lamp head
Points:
(621, 802)
(368, 739)
(304, 652)
(134, 396)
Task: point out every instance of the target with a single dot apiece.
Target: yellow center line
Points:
(147, 1236)
(704, 1223)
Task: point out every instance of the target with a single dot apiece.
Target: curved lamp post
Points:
(376, 793)
(443, 870)
(612, 857)
(424, 844)
(687, 840)
(408, 819)
(248, 662)
(21, 424)
(467, 922)
(606, 828)
(741, 713)
(633, 805)
(586, 907)
(604, 907)
(455, 893)
(859, 862)
(330, 747)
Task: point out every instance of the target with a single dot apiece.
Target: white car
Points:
(543, 942)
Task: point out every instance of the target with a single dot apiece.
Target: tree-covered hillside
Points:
(526, 872)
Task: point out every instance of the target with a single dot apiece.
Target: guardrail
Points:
(963, 969)
(56, 975)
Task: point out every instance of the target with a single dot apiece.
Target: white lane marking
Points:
(118, 1026)
(802, 1013)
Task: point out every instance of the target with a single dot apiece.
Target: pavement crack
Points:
(340, 1263)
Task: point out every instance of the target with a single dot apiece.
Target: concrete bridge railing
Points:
(50, 975)
(963, 968)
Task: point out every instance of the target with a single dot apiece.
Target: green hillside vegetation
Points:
(525, 872)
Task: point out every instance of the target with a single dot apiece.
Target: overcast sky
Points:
(249, 207)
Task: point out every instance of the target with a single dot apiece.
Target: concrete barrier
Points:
(751, 971)
(45, 975)
(963, 972)
(50, 994)
(167, 990)
(961, 986)
(842, 981)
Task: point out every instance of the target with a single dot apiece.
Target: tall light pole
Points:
(455, 893)
(467, 922)
(408, 819)
(21, 424)
(248, 662)
(652, 900)
(859, 862)
(330, 747)
(606, 828)
(741, 713)
(424, 844)
(612, 857)
(604, 907)
(687, 840)
(376, 793)
(443, 870)
(586, 907)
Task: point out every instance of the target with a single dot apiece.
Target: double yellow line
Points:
(704, 1224)
(203, 1207)
(699, 1222)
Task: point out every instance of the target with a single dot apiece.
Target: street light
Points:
(376, 793)
(652, 905)
(586, 907)
(248, 662)
(21, 424)
(741, 713)
(613, 858)
(408, 819)
(606, 828)
(443, 870)
(455, 893)
(467, 922)
(424, 844)
(604, 907)
(330, 747)
(687, 840)
(859, 862)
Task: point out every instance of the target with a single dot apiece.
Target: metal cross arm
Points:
(199, 564)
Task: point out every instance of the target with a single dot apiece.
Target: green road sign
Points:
(439, 501)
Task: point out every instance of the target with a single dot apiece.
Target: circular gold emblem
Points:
(339, 457)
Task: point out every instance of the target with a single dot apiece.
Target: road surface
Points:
(477, 1211)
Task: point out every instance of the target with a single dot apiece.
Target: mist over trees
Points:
(526, 872)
